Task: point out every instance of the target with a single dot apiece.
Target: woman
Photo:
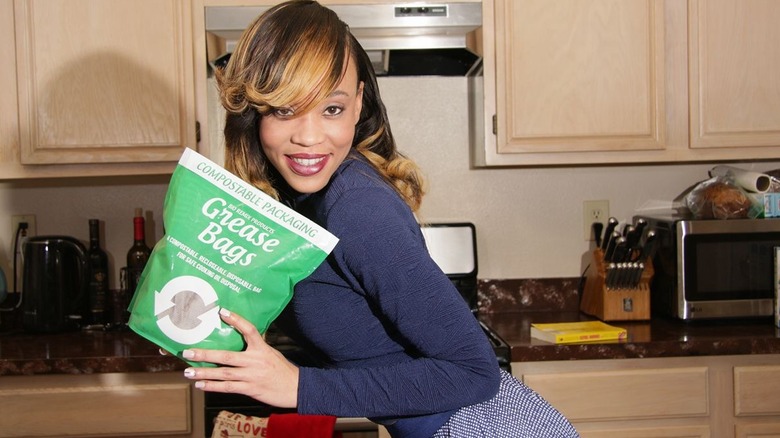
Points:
(393, 338)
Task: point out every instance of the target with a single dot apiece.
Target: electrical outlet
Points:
(29, 232)
(593, 211)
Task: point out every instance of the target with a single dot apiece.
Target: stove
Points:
(453, 246)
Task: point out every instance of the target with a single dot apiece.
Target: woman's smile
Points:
(307, 164)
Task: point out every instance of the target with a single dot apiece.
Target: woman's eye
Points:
(333, 110)
(283, 112)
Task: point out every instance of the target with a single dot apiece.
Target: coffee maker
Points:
(55, 284)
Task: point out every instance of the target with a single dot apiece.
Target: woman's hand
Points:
(260, 371)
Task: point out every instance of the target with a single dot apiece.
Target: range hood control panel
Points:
(421, 11)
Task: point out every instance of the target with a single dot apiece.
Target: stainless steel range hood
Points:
(402, 39)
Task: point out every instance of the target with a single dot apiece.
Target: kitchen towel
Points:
(301, 426)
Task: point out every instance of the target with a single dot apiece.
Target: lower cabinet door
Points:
(654, 432)
(95, 405)
(625, 394)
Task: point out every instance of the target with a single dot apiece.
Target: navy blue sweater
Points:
(396, 341)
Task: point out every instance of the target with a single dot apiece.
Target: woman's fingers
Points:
(223, 379)
(255, 344)
(247, 329)
(259, 371)
(266, 377)
(219, 357)
(228, 386)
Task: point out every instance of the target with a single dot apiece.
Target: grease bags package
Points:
(226, 244)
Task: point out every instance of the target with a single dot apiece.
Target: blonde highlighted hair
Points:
(293, 55)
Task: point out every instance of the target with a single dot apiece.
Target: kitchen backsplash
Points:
(528, 295)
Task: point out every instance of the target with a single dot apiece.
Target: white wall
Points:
(528, 219)
(65, 206)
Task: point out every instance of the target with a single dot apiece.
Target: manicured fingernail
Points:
(162, 352)
(188, 354)
(224, 312)
(189, 372)
(200, 385)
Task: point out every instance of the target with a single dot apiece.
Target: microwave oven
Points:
(710, 269)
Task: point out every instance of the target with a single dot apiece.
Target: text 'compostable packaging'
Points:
(226, 244)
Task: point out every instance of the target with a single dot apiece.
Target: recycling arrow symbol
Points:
(208, 321)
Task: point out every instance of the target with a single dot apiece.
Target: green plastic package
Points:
(226, 244)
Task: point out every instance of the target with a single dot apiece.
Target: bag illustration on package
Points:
(226, 244)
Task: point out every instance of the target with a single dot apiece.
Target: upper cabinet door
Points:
(630, 81)
(104, 81)
(580, 76)
(734, 69)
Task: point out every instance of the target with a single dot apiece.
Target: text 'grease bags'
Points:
(226, 244)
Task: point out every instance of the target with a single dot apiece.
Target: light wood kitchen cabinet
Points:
(629, 81)
(101, 87)
(734, 60)
(756, 398)
(708, 396)
(114, 404)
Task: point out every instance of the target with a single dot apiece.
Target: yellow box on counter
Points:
(576, 332)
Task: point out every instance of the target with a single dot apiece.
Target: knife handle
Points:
(648, 247)
(640, 225)
(639, 270)
(633, 236)
(610, 250)
(621, 250)
(611, 224)
(597, 227)
(609, 279)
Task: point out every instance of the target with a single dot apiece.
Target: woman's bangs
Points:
(309, 76)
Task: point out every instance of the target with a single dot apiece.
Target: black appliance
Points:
(55, 284)
(453, 246)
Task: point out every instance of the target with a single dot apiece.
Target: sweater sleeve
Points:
(451, 362)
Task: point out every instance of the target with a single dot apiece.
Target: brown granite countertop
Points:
(108, 352)
(85, 352)
(507, 306)
(660, 337)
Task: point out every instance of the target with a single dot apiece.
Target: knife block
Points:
(615, 304)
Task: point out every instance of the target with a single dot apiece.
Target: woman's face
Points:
(307, 148)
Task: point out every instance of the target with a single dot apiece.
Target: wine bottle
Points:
(138, 254)
(98, 275)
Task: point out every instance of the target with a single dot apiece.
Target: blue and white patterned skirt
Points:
(516, 412)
